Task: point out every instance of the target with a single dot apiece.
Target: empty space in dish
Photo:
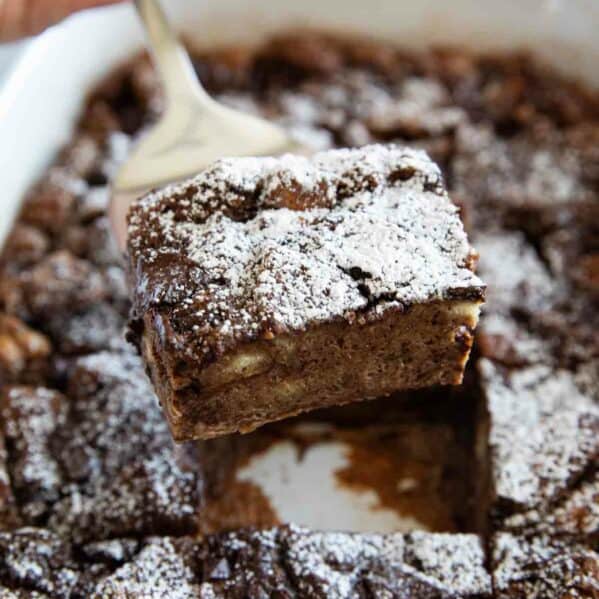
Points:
(386, 465)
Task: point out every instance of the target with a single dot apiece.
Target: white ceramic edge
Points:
(43, 94)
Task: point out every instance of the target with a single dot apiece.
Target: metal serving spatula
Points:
(194, 131)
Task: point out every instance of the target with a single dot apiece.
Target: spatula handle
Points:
(172, 60)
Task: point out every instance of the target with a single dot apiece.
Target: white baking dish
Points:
(41, 101)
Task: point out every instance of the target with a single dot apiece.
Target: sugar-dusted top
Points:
(542, 566)
(256, 246)
(543, 434)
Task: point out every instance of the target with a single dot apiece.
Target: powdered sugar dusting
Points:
(338, 564)
(517, 276)
(128, 479)
(529, 171)
(31, 417)
(541, 567)
(525, 347)
(456, 560)
(158, 571)
(279, 244)
(37, 559)
(543, 431)
(99, 463)
(331, 564)
(420, 109)
(576, 516)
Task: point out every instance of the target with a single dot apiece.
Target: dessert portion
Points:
(98, 461)
(86, 508)
(287, 561)
(526, 180)
(542, 567)
(547, 454)
(539, 380)
(265, 287)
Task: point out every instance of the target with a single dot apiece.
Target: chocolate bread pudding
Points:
(489, 489)
(265, 287)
